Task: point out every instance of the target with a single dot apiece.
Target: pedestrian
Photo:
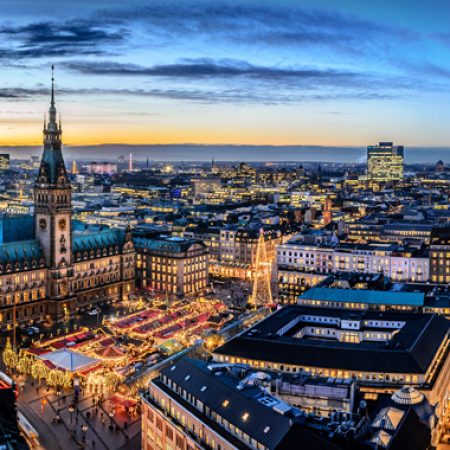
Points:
(77, 412)
(76, 418)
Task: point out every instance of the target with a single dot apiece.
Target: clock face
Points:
(42, 224)
(62, 224)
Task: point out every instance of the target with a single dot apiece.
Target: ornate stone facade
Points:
(68, 266)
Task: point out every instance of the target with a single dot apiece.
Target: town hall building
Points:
(51, 267)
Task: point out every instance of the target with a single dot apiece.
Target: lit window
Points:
(267, 429)
(225, 403)
(187, 377)
(245, 416)
(203, 389)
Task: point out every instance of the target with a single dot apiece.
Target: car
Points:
(29, 331)
(35, 330)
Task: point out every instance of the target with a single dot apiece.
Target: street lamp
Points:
(84, 428)
(71, 410)
(58, 393)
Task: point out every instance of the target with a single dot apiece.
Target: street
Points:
(92, 423)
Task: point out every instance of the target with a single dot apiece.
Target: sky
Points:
(310, 72)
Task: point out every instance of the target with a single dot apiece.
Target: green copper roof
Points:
(19, 252)
(365, 296)
(87, 237)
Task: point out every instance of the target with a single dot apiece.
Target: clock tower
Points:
(53, 205)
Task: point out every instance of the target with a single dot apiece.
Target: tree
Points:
(24, 364)
(10, 357)
(55, 378)
(112, 379)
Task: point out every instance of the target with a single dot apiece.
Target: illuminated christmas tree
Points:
(262, 291)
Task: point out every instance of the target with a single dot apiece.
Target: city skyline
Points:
(244, 73)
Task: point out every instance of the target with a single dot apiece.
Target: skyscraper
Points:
(385, 162)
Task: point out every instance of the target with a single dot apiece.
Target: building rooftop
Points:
(172, 244)
(266, 419)
(373, 297)
(411, 349)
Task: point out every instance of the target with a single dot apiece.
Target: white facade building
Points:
(393, 261)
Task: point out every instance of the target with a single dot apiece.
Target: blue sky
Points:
(342, 72)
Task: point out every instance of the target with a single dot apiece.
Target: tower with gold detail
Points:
(52, 198)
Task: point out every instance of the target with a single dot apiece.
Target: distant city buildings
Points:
(385, 162)
(4, 161)
(101, 168)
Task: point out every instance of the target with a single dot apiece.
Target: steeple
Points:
(53, 201)
(52, 171)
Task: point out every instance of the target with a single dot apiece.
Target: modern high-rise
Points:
(385, 162)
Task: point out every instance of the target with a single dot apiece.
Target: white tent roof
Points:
(68, 360)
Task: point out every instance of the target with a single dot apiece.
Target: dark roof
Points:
(221, 388)
(411, 350)
(440, 236)
(212, 390)
(411, 434)
(308, 439)
(166, 244)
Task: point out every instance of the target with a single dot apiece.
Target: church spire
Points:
(52, 170)
(53, 85)
(52, 122)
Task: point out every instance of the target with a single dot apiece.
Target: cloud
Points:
(202, 95)
(50, 39)
(252, 24)
(267, 84)
(203, 68)
(19, 93)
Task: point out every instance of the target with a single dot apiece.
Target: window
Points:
(245, 416)
(225, 403)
